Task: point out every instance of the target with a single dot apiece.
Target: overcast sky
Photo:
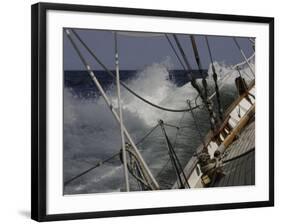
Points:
(137, 52)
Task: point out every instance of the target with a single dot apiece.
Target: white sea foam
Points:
(90, 130)
(153, 84)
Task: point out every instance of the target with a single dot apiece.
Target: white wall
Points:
(15, 109)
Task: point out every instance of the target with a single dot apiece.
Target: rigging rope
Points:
(174, 156)
(227, 76)
(243, 55)
(197, 127)
(180, 121)
(175, 142)
(123, 84)
(106, 160)
(239, 156)
(171, 125)
(175, 52)
(147, 134)
(250, 78)
(174, 164)
(152, 180)
(215, 78)
(194, 84)
(253, 43)
(174, 159)
(135, 169)
(90, 169)
(140, 184)
(162, 169)
(244, 84)
(182, 54)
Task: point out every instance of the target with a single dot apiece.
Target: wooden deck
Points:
(239, 157)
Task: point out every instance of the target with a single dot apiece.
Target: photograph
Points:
(151, 111)
(139, 112)
(148, 111)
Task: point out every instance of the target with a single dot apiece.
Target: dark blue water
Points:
(81, 84)
(91, 134)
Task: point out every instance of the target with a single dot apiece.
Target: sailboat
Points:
(226, 155)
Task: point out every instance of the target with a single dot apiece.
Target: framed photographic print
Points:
(138, 111)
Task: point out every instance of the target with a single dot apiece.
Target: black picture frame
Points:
(39, 122)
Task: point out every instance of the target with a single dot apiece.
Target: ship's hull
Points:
(239, 115)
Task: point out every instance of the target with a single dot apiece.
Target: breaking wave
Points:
(91, 133)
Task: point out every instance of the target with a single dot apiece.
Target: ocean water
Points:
(91, 133)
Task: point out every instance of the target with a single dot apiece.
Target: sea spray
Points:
(91, 133)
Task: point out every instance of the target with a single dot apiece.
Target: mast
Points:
(197, 58)
(206, 101)
(215, 78)
(124, 157)
(148, 173)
